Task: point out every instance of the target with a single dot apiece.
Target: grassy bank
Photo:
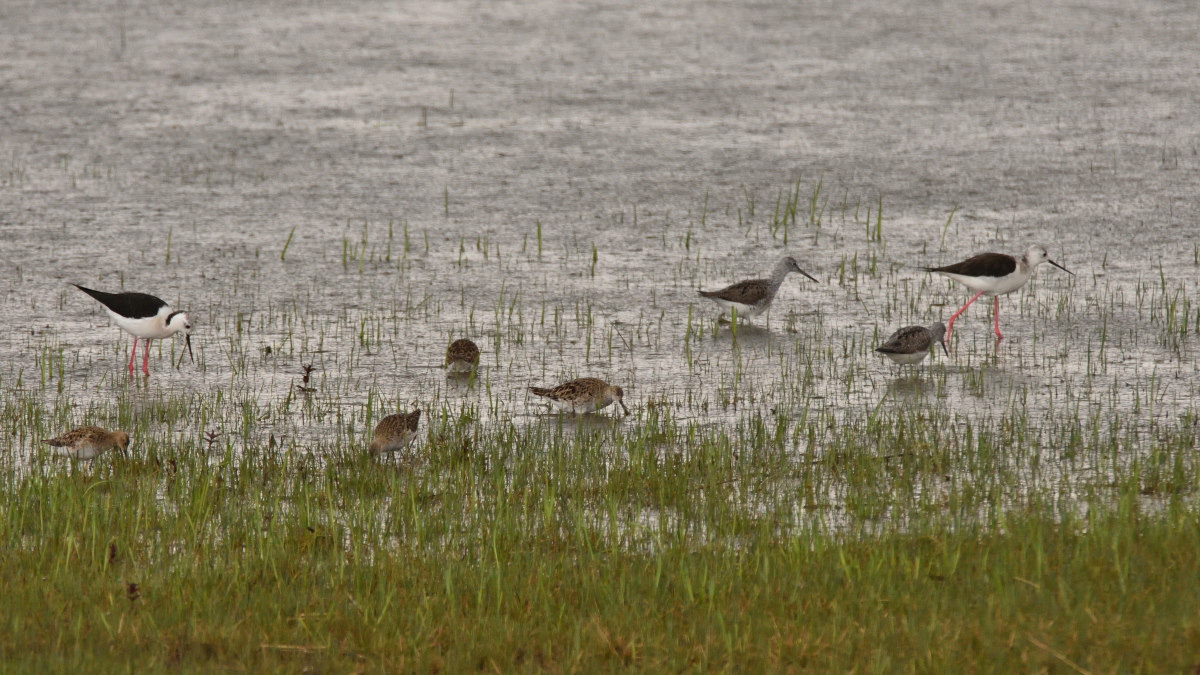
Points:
(654, 544)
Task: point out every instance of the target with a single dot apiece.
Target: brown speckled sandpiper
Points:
(88, 442)
(395, 432)
(583, 395)
(462, 356)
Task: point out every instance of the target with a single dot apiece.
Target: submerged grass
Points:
(901, 543)
(582, 551)
(778, 500)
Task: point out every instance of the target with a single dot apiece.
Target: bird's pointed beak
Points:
(1060, 267)
(624, 408)
(942, 342)
(187, 340)
(809, 276)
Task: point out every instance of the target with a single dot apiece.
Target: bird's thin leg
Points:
(996, 314)
(146, 357)
(950, 323)
(132, 354)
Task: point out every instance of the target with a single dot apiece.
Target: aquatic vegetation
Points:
(337, 193)
(780, 468)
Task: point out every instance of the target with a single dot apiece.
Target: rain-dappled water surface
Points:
(1090, 351)
(356, 209)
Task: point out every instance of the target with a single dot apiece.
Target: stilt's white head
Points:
(1036, 255)
(179, 322)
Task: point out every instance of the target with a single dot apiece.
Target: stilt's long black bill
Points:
(1060, 267)
(944, 350)
(187, 340)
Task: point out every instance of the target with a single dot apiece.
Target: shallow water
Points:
(556, 180)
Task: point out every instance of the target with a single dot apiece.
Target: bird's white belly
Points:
(742, 309)
(150, 327)
(590, 405)
(990, 285)
(907, 359)
(79, 452)
(398, 443)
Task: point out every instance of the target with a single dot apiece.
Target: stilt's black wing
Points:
(128, 305)
(993, 265)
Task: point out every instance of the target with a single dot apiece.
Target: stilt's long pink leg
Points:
(996, 314)
(132, 354)
(950, 323)
(146, 357)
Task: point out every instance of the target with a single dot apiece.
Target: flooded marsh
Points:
(337, 194)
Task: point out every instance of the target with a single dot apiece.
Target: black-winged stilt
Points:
(144, 317)
(994, 274)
